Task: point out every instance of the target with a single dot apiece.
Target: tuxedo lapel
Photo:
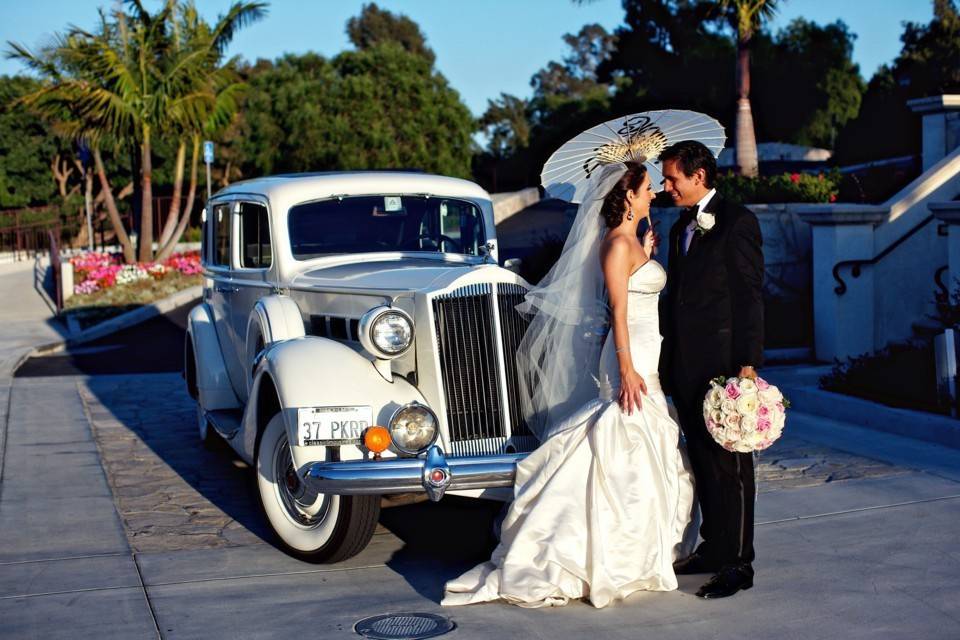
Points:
(712, 206)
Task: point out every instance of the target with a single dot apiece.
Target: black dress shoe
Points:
(692, 564)
(726, 583)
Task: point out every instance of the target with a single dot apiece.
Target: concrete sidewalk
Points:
(26, 320)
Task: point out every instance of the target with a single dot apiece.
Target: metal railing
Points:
(857, 265)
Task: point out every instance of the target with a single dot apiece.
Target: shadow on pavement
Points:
(154, 346)
(441, 540)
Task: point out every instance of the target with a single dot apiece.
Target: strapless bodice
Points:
(649, 279)
(644, 287)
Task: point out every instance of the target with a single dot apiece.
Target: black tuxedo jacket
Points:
(712, 313)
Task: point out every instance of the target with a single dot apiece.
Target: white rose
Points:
(779, 419)
(748, 404)
(731, 421)
(706, 221)
(728, 406)
(748, 424)
(771, 396)
(716, 416)
(748, 386)
(715, 397)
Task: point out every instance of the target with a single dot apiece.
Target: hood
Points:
(397, 275)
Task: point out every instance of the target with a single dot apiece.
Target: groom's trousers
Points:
(725, 482)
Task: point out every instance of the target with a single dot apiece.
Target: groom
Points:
(713, 325)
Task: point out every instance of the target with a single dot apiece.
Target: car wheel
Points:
(331, 529)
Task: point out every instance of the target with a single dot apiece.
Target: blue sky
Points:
(483, 47)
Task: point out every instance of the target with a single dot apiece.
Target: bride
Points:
(604, 505)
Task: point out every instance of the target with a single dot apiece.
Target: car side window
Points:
(255, 249)
(221, 235)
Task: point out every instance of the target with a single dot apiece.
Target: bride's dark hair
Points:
(615, 205)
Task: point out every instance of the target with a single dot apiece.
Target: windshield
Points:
(365, 224)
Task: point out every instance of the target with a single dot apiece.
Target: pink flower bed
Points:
(94, 271)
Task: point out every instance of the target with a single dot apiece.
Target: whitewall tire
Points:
(331, 529)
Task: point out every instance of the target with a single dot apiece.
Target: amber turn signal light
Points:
(376, 439)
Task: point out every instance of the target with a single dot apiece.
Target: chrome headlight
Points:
(386, 332)
(413, 428)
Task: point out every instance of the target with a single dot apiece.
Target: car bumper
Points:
(433, 473)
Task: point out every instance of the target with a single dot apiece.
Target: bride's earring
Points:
(630, 214)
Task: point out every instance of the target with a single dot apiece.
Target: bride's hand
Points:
(632, 387)
(649, 242)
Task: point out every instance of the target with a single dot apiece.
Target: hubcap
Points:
(287, 483)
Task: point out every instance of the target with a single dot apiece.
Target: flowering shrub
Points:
(186, 263)
(787, 187)
(130, 273)
(95, 271)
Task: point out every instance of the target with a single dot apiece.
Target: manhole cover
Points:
(404, 626)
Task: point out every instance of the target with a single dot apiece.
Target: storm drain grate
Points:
(404, 626)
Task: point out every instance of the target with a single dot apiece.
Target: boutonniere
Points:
(705, 222)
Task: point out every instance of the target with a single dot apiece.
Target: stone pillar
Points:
(843, 313)
(941, 126)
(949, 213)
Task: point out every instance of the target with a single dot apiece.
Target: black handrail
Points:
(944, 294)
(857, 265)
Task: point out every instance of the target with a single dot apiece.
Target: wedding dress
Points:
(605, 505)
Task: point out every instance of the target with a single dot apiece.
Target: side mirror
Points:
(513, 264)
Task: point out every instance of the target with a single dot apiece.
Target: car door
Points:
(221, 297)
(251, 277)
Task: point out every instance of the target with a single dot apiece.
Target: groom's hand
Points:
(747, 371)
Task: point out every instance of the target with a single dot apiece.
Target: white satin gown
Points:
(606, 503)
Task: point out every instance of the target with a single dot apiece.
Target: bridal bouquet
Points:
(743, 414)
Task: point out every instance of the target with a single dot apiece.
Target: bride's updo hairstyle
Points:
(615, 204)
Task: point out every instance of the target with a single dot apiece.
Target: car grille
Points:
(480, 385)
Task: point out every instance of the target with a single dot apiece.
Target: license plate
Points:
(332, 425)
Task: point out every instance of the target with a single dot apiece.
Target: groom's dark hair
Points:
(691, 155)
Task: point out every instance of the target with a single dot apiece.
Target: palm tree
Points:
(59, 101)
(141, 76)
(191, 33)
(747, 17)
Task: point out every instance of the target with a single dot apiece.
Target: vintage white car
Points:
(356, 338)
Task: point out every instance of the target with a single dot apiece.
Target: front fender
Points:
(213, 383)
(316, 372)
(274, 319)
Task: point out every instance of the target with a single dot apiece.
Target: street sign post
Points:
(208, 160)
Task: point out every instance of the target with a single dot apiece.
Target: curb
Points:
(918, 425)
(125, 320)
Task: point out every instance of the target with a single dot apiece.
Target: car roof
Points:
(295, 187)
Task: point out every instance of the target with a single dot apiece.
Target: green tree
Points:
(27, 149)
(507, 124)
(138, 77)
(807, 85)
(671, 54)
(380, 106)
(375, 26)
(928, 65)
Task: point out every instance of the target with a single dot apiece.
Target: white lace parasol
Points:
(639, 137)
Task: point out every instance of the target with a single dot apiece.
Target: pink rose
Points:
(762, 384)
(733, 391)
(763, 425)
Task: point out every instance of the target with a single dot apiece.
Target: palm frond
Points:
(240, 15)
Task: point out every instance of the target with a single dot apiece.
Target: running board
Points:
(226, 422)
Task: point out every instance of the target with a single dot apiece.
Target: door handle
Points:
(222, 288)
